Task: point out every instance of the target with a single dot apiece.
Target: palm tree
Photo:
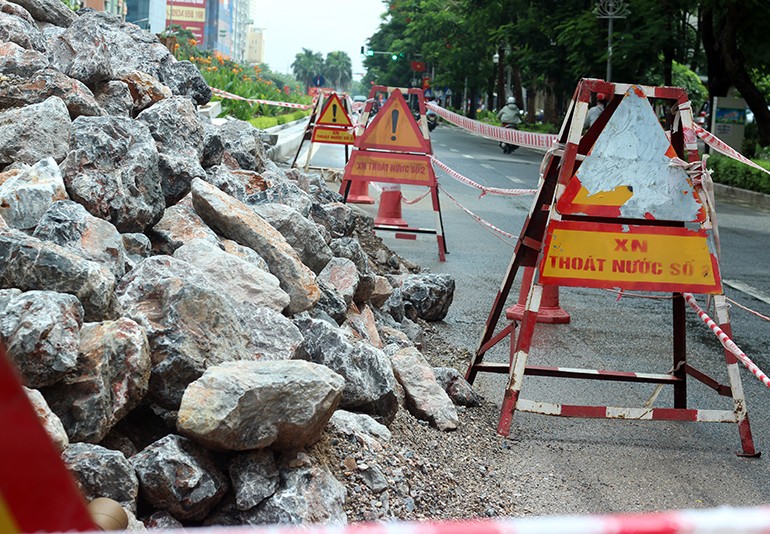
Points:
(339, 68)
(307, 64)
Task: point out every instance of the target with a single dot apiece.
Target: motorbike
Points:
(432, 118)
(508, 147)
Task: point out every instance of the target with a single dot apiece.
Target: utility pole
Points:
(610, 10)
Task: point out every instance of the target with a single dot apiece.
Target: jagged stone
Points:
(189, 324)
(177, 475)
(382, 291)
(52, 11)
(455, 385)
(361, 325)
(162, 520)
(112, 170)
(41, 330)
(241, 140)
(41, 265)
(27, 192)
(137, 247)
(178, 135)
(114, 97)
(251, 405)
(101, 472)
(369, 381)
(272, 336)
(184, 78)
(145, 90)
(428, 296)
(213, 148)
(300, 233)
(16, 27)
(34, 132)
(68, 224)
(341, 275)
(331, 303)
(362, 426)
(179, 225)
(255, 477)
(425, 399)
(246, 285)
(226, 180)
(83, 51)
(394, 305)
(234, 220)
(413, 331)
(286, 193)
(18, 61)
(45, 83)
(111, 377)
(48, 419)
(350, 248)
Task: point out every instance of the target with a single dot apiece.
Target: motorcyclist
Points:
(510, 116)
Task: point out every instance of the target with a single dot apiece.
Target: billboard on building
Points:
(189, 14)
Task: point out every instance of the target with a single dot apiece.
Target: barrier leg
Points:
(550, 310)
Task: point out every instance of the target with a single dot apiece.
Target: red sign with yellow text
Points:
(389, 167)
(339, 136)
(649, 258)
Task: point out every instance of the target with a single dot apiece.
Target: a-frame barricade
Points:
(616, 209)
(329, 123)
(394, 148)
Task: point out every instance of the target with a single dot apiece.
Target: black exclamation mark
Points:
(393, 123)
(334, 112)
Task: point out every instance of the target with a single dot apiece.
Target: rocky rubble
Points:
(195, 325)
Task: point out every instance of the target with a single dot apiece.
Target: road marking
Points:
(515, 180)
(467, 156)
(748, 289)
(487, 166)
(455, 149)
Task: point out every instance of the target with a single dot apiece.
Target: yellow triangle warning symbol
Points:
(394, 129)
(630, 171)
(333, 113)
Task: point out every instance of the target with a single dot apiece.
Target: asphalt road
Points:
(600, 466)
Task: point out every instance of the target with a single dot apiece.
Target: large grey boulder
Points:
(301, 233)
(53, 11)
(179, 476)
(41, 331)
(17, 26)
(350, 248)
(255, 477)
(178, 134)
(425, 398)
(49, 82)
(114, 97)
(272, 336)
(27, 192)
(179, 225)
(101, 472)
(428, 296)
(241, 140)
(369, 381)
(46, 266)
(234, 220)
(251, 405)
(189, 324)
(112, 170)
(20, 62)
(68, 224)
(82, 51)
(34, 132)
(110, 379)
(245, 284)
(184, 78)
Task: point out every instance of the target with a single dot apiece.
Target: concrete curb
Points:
(742, 196)
(288, 141)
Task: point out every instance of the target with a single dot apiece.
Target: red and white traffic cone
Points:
(389, 211)
(550, 311)
(359, 192)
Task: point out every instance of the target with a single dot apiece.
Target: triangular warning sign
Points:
(333, 113)
(394, 129)
(630, 171)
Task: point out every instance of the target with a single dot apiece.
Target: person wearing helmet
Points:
(510, 116)
(595, 111)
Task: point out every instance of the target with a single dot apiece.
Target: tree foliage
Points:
(547, 46)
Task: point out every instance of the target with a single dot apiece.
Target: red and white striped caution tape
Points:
(506, 135)
(723, 148)
(484, 190)
(726, 342)
(478, 219)
(230, 96)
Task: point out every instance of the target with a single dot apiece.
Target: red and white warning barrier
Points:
(477, 218)
(506, 135)
(727, 343)
(723, 148)
(484, 190)
(230, 96)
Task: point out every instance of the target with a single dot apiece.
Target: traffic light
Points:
(370, 52)
(394, 57)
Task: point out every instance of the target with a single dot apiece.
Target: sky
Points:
(320, 25)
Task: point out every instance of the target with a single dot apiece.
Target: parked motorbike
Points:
(432, 118)
(508, 147)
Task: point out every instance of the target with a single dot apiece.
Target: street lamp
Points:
(610, 10)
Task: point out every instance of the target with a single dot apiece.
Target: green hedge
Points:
(263, 123)
(727, 171)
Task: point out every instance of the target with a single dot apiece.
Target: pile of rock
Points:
(186, 315)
